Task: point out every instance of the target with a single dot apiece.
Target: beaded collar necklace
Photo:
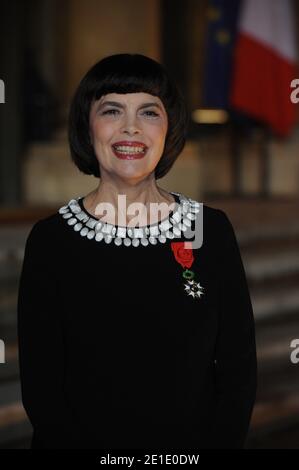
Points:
(177, 222)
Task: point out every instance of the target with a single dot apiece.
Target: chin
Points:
(133, 174)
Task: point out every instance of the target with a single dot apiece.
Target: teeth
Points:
(126, 149)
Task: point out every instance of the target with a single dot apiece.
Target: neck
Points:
(145, 193)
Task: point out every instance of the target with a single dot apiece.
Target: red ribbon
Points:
(183, 255)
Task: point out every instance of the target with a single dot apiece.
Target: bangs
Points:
(130, 73)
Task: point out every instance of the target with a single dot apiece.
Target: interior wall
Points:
(96, 29)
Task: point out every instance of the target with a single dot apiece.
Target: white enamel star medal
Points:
(184, 255)
(192, 287)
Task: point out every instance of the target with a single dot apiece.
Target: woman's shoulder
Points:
(212, 214)
(214, 221)
(46, 229)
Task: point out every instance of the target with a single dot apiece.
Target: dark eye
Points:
(110, 111)
(152, 113)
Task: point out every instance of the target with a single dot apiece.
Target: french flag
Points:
(265, 64)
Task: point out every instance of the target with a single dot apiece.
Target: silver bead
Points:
(187, 222)
(76, 209)
(67, 215)
(144, 241)
(169, 234)
(153, 240)
(166, 225)
(84, 231)
(138, 233)
(81, 215)
(99, 236)
(107, 228)
(135, 241)
(72, 221)
(186, 208)
(176, 231)
(98, 226)
(121, 232)
(91, 223)
(183, 227)
(118, 241)
(108, 239)
(195, 203)
(91, 234)
(78, 227)
(162, 239)
(154, 231)
(127, 241)
(63, 209)
(176, 217)
(72, 201)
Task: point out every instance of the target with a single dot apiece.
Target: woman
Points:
(129, 337)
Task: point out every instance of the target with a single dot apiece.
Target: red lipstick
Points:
(122, 149)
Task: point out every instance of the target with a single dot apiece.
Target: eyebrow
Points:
(119, 105)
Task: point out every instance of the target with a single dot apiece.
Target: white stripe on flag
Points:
(272, 23)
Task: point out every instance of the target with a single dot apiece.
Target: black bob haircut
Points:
(126, 73)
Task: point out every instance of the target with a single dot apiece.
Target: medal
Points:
(184, 256)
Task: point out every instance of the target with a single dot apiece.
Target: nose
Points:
(130, 126)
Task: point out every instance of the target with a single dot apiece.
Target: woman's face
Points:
(124, 119)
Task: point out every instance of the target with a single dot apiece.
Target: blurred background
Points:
(234, 61)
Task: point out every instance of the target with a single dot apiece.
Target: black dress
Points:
(118, 350)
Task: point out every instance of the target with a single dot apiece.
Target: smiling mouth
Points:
(129, 153)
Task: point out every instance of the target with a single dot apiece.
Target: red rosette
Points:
(183, 253)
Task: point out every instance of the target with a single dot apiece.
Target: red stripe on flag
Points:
(261, 84)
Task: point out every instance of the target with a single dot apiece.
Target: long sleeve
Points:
(235, 355)
(41, 348)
